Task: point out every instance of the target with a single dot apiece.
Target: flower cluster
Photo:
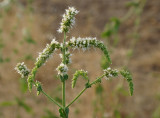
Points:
(68, 20)
(78, 73)
(67, 57)
(127, 75)
(46, 53)
(110, 73)
(39, 87)
(86, 43)
(22, 69)
(62, 69)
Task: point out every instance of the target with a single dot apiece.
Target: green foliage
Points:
(133, 4)
(73, 43)
(64, 112)
(156, 113)
(117, 114)
(111, 28)
(78, 73)
(7, 103)
(22, 104)
(31, 78)
(128, 77)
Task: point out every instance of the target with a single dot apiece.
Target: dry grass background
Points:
(94, 14)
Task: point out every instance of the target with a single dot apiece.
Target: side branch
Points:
(49, 97)
(88, 85)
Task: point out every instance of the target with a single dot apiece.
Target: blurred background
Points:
(129, 28)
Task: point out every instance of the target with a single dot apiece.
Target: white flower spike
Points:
(68, 20)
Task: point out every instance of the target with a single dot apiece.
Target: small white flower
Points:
(46, 53)
(62, 69)
(106, 78)
(68, 20)
(22, 69)
(110, 72)
(84, 43)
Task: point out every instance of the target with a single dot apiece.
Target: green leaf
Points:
(64, 113)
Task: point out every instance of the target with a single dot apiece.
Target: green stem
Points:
(85, 90)
(64, 48)
(77, 97)
(63, 83)
(49, 97)
(63, 95)
(99, 78)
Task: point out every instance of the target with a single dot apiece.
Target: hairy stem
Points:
(49, 97)
(63, 94)
(63, 83)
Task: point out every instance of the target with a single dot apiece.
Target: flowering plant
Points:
(67, 23)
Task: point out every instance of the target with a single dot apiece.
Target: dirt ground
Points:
(43, 21)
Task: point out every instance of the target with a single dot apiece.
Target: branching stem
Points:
(49, 97)
(99, 78)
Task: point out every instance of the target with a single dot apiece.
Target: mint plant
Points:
(66, 25)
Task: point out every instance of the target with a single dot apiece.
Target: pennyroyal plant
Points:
(66, 25)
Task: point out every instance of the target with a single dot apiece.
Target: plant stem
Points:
(77, 97)
(84, 90)
(63, 83)
(49, 97)
(97, 79)
(63, 94)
